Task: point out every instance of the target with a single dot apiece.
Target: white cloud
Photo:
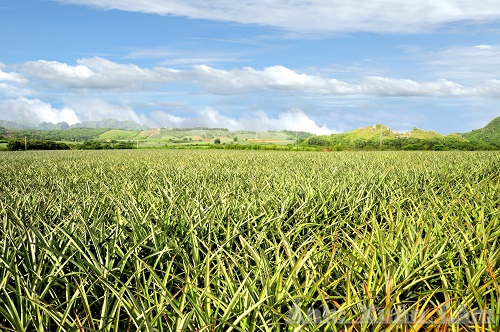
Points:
(382, 86)
(293, 119)
(275, 78)
(381, 16)
(35, 111)
(158, 118)
(11, 90)
(99, 73)
(282, 79)
(467, 64)
(94, 73)
(10, 76)
(484, 47)
(173, 57)
(89, 109)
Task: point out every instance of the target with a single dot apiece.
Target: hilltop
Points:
(489, 133)
(382, 137)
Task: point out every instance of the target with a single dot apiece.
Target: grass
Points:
(249, 241)
(119, 134)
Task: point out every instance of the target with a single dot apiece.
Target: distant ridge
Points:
(110, 124)
(102, 124)
(16, 125)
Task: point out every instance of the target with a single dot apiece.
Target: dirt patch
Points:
(157, 133)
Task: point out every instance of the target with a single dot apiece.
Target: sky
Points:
(322, 66)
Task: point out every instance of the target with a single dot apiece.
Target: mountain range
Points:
(102, 124)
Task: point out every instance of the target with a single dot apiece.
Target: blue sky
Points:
(322, 66)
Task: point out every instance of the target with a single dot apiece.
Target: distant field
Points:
(214, 240)
(161, 137)
(119, 134)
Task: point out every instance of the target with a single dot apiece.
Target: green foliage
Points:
(72, 134)
(380, 138)
(247, 241)
(318, 141)
(217, 141)
(18, 145)
(118, 134)
(97, 145)
(489, 135)
(368, 138)
(297, 134)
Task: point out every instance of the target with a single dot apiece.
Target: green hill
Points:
(52, 126)
(16, 125)
(119, 134)
(378, 137)
(488, 134)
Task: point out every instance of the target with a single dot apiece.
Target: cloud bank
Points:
(94, 73)
(35, 111)
(292, 119)
(330, 16)
(99, 73)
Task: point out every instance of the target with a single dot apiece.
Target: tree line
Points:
(436, 144)
(21, 145)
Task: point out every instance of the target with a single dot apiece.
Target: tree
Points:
(318, 140)
(15, 145)
(217, 141)
(235, 138)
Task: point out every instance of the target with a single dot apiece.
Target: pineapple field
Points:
(215, 240)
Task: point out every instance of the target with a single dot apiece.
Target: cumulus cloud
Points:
(293, 119)
(274, 78)
(99, 73)
(10, 76)
(90, 109)
(381, 16)
(35, 111)
(94, 73)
